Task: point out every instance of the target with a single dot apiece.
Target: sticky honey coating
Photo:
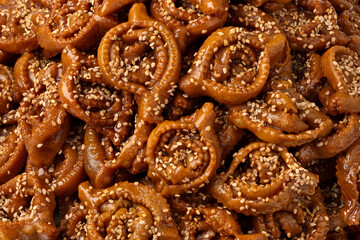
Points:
(179, 119)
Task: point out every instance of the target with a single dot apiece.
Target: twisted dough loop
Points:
(27, 206)
(342, 95)
(183, 155)
(284, 118)
(345, 134)
(222, 83)
(74, 23)
(192, 20)
(123, 51)
(277, 180)
(126, 201)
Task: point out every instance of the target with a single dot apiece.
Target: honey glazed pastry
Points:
(179, 119)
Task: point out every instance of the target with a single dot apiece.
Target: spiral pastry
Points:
(213, 223)
(253, 18)
(68, 168)
(44, 124)
(238, 71)
(342, 73)
(74, 23)
(304, 218)
(310, 25)
(13, 154)
(141, 56)
(284, 118)
(127, 210)
(26, 209)
(83, 92)
(26, 73)
(263, 178)
(20, 20)
(183, 155)
(343, 135)
(347, 173)
(192, 19)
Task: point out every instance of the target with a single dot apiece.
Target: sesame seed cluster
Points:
(179, 119)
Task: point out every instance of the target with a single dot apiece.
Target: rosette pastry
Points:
(283, 117)
(20, 20)
(85, 95)
(141, 56)
(44, 123)
(310, 25)
(232, 65)
(75, 23)
(263, 178)
(183, 155)
(188, 19)
(343, 75)
(26, 209)
(344, 133)
(126, 211)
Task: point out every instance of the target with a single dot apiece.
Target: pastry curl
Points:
(347, 173)
(75, 23)
(127, 210)
(141, 56)
(343, 135)
(26, 73)
(84, 94)
(192, 19)
(13, 153)
(68, 168)
(342, 73)
(263, 178)
(213, 223)
(44, 123)
(284, 118)
(310, 25)
(183, 155)
(228, 66)
(26, 209)
(253, 18)
(304, 218)
(20, 20)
